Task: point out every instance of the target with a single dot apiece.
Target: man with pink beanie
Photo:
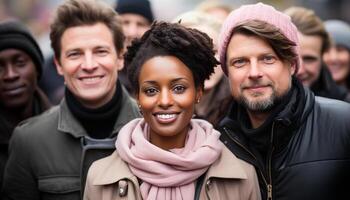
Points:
(298, 143)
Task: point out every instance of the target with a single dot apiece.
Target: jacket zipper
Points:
(268, 185)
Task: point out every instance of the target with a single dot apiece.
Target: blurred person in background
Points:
(51, 82)
(136, 17)
(216, 9)
(36, 15)
(49, 155)
(337, 58)
(314, 42)
(20, 69)
(216, 94)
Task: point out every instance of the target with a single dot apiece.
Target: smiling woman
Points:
(167, 97)
(337, 58)
(160, 156)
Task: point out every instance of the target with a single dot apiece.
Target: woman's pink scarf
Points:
(168, 175)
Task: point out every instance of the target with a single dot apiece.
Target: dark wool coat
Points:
(51, 154)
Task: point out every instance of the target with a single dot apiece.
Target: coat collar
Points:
(227, 166)
(112, 169)
(69, 124)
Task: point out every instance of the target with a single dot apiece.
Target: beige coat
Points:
(228, 178)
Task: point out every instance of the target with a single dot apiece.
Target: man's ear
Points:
(293, 68)
(120, 60)
(120, 63)
(58, 66)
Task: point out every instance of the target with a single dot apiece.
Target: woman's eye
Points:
(150, 91)
(178, 89)
(269, 59)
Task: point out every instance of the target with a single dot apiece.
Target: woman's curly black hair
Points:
(194, 48)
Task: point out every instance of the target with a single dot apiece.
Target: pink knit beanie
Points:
(260, 12)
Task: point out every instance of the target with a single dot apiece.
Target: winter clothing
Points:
(325, 86)
(227, 178)
(140, 7)
(170, 172)
(97, 122)
(50, 154)
(339, 32)
(301, 151)
(14, 34)
(260, 12)
(40, 104)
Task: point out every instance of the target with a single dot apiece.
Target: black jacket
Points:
(40, 104)
(325, 86)
(302, 152)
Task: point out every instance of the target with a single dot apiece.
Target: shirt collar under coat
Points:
(69, 124)
(113, 169)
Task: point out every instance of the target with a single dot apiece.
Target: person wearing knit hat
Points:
(20, 69)
(14, 34)
(275, 123)
(136, 17)
(337, 58)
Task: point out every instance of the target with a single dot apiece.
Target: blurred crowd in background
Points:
(36, 13)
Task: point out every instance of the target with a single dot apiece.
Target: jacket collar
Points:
(227, 166)
(111, 170)
(285, 124)
(69, 124)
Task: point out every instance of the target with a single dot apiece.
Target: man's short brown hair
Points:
(74, 13)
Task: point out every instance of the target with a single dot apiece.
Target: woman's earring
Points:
(198, 100)
(140, 110)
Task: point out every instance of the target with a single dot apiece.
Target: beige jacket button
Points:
(123, 188)
(208, 183)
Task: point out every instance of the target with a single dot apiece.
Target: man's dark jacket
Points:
(40, 104)
(301, 152)
(50, 154)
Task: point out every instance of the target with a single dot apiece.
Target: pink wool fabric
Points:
(260, 12)
(168, 175)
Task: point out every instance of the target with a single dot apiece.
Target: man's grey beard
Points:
(259, 106)
(266, 105)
